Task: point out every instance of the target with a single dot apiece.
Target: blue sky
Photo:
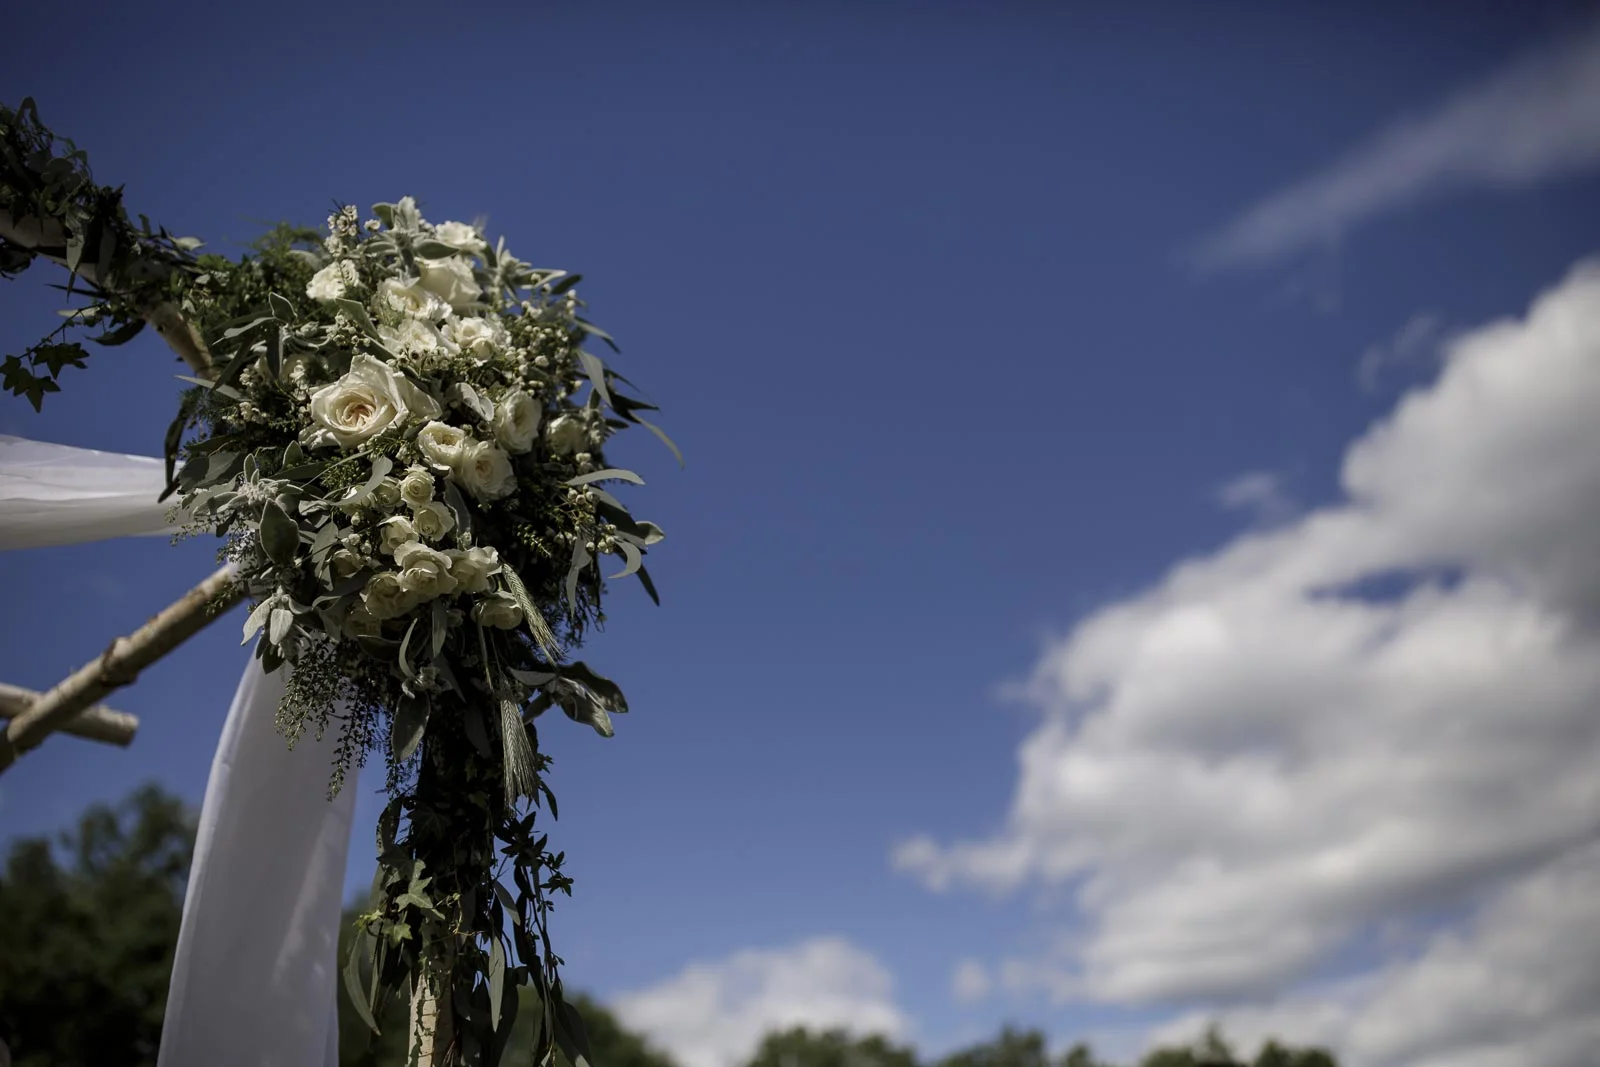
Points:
(1030, 364)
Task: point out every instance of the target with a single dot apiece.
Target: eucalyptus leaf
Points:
(405, 731)
(497, 980)
(610, 473)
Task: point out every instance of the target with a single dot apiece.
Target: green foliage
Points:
(800, 1047)
(124, 270)
(86, 946)
(1013, 1048)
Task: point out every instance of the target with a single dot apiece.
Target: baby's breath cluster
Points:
(404, 449)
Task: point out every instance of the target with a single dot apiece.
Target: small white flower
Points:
(460, 236)
(498, 610)
(425, 572)
(567, 435)
(395, 532)
(473, 567)
(411, 299)
(450, 280)
(432, 520)
(516, 421)
(370, 399)
(442, 443)
(484, 470)
(416, 488)
(385, 598)
(332, 281)
(477, 337)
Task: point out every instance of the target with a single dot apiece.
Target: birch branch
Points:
(98, 723)
(35, 234)
(118, 665)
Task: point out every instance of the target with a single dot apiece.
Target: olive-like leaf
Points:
(280, 535)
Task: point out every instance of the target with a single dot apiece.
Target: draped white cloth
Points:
(254, 983)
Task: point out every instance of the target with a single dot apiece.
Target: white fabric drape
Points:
(254, 982)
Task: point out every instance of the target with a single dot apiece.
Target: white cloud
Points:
(1249, 769)
(1421, 333)
(1259, 493)
(714, 1014)
(970, 983)
(1535, 120)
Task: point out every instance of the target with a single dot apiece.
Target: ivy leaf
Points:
(280, 535)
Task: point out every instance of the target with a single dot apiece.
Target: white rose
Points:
(497, 610)
(460, 236)
(450, 280)
(516, 420)
(472, 567)
(413, 337)
(424, 572)
(485, 471)
(475, 336)
(385, 598)
(331, 281)
(344, 562)
(386, 494)
(567, 434)
(370, 399)
(416, 488)
(395, 532)
(410, 298)
(442, 443)
(432, 520)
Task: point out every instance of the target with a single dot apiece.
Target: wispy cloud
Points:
(1421, 333)
(1537, 119)
(1261, 494)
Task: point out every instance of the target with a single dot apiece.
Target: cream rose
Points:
(331, 282)
(516, 421)
(386, 494)
(432, 520)
(371, 398)
(498, 610)
(450, 280)
(392, 533)
(442, 443)
(476, 337)
(472, 568)
(424, 572)
(460, 236)
(567, 435)
(484, 470)
(416, 488)
(411, 298)
(385, 598)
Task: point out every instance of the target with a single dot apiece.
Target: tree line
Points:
(88, 925)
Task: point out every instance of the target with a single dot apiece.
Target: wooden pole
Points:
(98, 723)
(119, 664)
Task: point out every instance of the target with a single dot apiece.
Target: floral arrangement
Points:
(394, 449)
